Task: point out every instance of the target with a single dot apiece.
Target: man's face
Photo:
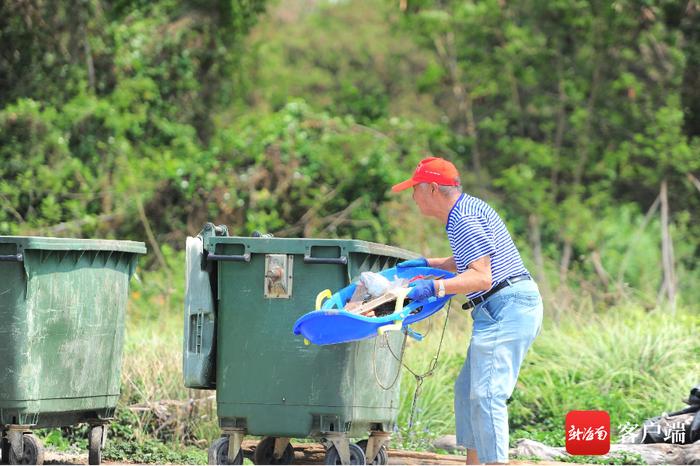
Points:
(422, 196)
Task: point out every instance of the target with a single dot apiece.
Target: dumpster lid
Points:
(65, 244)
(303, 245)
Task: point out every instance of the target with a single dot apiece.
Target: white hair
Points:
(448, 190)
(445, 190)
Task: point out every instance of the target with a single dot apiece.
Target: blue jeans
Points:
(505, 325)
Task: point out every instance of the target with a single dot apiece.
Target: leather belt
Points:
(507, 282)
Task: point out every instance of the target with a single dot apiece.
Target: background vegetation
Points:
(578, 120)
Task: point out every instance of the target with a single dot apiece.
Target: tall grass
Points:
(433, 413)
(153, 390)
(154, 401)
(632, 363)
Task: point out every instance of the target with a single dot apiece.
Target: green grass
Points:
(151, 451)
(434, 413)
(153, 395)
(632, 363)
(62, 441)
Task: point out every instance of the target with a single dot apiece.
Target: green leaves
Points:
(574, 111)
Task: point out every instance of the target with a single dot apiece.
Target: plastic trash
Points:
(375, 284)
(334, 323)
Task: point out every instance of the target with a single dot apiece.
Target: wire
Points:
(374, 360)
(419, 377)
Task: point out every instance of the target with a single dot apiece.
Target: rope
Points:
(419, 377)
(374, 360)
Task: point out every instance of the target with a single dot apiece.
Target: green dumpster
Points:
(62, 309)
(243, 296)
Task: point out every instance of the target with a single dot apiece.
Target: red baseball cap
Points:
(432, 169)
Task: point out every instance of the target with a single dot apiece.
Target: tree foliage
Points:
(295, 117)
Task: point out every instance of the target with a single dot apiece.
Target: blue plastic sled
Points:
(331, 323)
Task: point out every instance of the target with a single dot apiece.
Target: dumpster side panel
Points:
(377, 381)
(256, 343)
(77, 333)
(376, 386)
(13, 344)
(267, 379)
(72, 333)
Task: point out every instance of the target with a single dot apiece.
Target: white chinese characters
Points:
(587, 434)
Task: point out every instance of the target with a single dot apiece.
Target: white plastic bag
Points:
(375, 284)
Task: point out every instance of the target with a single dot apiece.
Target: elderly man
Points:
(505, 302)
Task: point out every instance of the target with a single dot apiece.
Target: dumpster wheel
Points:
(33, 452)
(4, 449)
(96, 439)
(218, 452)
(357, 455)
(265, 453)
(382, 456)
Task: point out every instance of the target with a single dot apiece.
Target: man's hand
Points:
(420, 262)
(421, 290)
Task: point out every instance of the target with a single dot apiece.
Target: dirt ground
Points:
(314, 454)
(311, 453)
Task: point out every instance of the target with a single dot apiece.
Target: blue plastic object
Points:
(332, 324)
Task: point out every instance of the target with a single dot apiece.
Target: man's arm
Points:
(444, 263)
(477, 277)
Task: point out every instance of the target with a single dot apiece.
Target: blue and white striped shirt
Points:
(475, 230)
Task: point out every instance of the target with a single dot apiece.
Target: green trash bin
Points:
(62, 309)
(243, 296)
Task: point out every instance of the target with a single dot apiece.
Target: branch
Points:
(599, 269)
(667, 247)
(149, 234)
(90, 65)
(561, 125)
(466, 124)
(376, 132)
(341, 216)
(694, 180)
(308, 215)
(8, 206)
(642, 227)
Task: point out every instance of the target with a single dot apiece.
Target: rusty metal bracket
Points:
(15, 435)
(341, 444)
(235, 440)
(377, 439)
(279, 275)
(280, 445)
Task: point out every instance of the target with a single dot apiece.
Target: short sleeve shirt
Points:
(475, 230)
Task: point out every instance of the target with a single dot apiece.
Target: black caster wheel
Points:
(265, 453)
(218, 452)
(95, 437)
(357, 455)
(382, 455)
(33, 451)
(4, 449)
